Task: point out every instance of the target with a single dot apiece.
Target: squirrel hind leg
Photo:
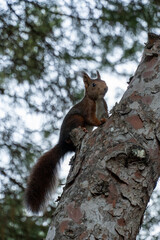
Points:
(71, 122)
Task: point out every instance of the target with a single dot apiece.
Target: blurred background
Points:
(44, 45)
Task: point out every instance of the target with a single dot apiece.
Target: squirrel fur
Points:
(89, 112)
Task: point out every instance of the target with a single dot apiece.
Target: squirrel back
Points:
(89, 112)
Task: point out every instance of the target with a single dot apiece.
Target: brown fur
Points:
(91, 111)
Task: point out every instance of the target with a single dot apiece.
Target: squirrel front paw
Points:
(103, 120)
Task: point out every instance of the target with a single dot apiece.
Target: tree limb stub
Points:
(116, 167)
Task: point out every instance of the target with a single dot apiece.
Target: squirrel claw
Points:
(84, 129)
(103, 120)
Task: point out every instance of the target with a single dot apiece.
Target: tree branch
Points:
(2, 171)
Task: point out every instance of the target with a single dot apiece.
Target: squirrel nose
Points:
(105, 89)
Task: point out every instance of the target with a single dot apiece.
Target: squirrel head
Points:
(94, 88)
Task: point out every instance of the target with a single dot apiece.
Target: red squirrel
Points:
(89, 112)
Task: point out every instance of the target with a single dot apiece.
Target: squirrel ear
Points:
(86, 79)
(98, 76)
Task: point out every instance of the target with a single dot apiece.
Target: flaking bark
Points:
(116, 167)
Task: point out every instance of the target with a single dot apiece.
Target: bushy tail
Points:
(43, 179)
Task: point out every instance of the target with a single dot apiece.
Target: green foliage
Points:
(43, 46)
(27, 33)
(15, 224)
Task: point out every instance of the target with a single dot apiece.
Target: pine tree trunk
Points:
(116, 167)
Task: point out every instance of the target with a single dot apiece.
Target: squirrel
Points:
(89, 112)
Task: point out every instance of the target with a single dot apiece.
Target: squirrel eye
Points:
(93, 84)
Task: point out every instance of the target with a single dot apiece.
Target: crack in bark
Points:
(115, 176)
(122, 236)
(69, 183)
(126, 198)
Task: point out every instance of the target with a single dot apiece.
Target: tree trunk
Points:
(117, 166)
